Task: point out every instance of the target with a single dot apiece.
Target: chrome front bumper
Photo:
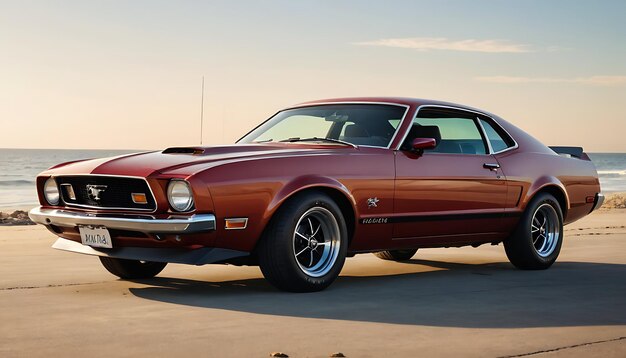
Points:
(64, 218)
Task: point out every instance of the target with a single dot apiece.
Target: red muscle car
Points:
(322, 181)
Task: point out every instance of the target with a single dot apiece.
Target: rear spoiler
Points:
(571, 152)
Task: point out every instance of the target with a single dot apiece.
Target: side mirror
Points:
(419, 144)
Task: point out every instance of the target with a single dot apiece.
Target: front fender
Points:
(258, 201)
(304, 182)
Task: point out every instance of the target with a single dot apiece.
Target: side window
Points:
(452, 132)
(499, 141)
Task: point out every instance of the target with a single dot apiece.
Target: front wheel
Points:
(132, 269)
(304, 247)
(536, 242)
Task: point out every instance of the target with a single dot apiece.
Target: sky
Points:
(127, 74)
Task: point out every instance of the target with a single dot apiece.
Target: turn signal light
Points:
(139, 198)
(236, 223)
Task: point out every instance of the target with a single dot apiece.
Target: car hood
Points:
(188, 160)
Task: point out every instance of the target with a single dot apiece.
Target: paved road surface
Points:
(444, 302)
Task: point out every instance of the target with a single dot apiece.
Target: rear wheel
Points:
(536, 242)
(304, 247)
(396, 255)
(132, 269)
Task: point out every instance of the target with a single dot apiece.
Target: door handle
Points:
(491, 166)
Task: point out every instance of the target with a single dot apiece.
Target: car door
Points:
(452, 194)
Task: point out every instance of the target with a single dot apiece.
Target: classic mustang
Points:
(322, 181)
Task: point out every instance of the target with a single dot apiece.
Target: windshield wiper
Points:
(313, 139)
(263, 141)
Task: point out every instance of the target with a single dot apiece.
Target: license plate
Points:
(95, 236)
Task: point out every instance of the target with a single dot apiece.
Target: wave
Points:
(613, 171)
(17, 182)
(612, 174)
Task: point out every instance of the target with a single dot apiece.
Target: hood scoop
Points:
(184, 150)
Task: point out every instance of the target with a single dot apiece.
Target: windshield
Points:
(359, 124)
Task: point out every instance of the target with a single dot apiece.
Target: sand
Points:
(445, 302)
(615, 201)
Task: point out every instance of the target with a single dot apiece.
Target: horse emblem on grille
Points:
(94, 191)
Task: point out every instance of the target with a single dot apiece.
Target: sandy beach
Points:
(444, 302)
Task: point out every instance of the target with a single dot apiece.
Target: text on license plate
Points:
(95, 236)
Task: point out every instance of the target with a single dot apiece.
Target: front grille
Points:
(104, 192)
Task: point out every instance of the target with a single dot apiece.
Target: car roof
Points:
(405, 101)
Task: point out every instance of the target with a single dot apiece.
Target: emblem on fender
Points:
(94, 191)
(372, 202)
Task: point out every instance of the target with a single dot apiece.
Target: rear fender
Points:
(543, 183)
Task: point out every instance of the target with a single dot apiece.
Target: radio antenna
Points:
(202, 111)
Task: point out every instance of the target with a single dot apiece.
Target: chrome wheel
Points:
(316, 241)
(545, 230)
(536, 241)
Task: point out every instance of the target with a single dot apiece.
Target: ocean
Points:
(19, 167)
(611, 169)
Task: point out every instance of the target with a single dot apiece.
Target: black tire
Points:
(132, 269)
(396, 255)
(287, 269)
(526, 248)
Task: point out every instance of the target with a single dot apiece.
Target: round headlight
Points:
(179, 195)
(51, 191)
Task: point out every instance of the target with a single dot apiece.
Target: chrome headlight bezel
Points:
(51, 191)
(180, 195)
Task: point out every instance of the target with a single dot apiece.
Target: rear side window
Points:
(455, 132)
(497, 138)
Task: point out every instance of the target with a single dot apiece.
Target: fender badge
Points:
(375, 221)
(372, 202)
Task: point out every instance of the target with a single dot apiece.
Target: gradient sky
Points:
(127, 74)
